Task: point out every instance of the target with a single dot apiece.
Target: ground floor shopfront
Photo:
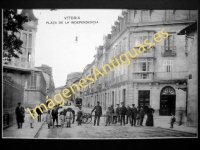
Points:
(164, 98)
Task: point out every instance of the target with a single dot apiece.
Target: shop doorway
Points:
(167, 101)
(144, 99)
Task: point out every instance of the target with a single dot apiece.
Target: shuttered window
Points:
(168, 65)
(169, 43)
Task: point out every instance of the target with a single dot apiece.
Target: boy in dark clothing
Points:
(172, 120)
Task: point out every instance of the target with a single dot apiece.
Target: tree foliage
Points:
(13, 23)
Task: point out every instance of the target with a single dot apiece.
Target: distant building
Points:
(47, 73)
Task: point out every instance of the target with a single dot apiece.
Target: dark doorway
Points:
(167, 101)
(144, 99)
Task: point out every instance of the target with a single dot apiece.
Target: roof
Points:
(29, 13)
(190, 28)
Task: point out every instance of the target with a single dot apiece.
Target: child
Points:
(48, 118)
(62, 118)
(108, 116)
(172, 120)
(68, 118)
(31, 120)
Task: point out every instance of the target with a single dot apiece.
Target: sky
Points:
(55, 43)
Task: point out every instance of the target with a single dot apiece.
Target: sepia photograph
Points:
(99, 73)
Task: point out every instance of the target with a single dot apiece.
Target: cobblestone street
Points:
(113, 131)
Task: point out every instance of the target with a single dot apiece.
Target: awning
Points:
(190, 28)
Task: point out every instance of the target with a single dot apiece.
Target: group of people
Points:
(129, 114)
(65, 117)
(124, 115)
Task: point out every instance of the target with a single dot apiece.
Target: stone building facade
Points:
(155, 77)
(192, 99)
(18, 70)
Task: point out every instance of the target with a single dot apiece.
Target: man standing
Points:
(118, 113)
(112, 113)
(98, 113)
(141, 113)
(128, 114)
(54, 114)
(123, 113)
(39, 114)
(133, 114)
(20, 114)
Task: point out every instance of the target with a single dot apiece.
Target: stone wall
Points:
(192, 115)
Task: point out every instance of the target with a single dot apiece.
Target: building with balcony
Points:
(154, 77)
(17, 72)
(192, 96)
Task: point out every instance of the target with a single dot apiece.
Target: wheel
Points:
(84, 120)
(89, 120)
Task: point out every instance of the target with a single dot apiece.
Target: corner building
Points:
(156, 77)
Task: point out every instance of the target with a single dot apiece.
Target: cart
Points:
(87, 118)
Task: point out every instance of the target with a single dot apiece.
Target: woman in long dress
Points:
(150, 112)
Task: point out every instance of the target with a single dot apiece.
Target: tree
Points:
(13, 23)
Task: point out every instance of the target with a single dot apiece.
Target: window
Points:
(169, 43)
(144, 65)
(29, 57)
(24, 39)
(30, 40)
(144, 15)
(168, 65)
(32, 79)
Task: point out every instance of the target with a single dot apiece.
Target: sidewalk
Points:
(160, 122)
(26, 131)
(164, 122)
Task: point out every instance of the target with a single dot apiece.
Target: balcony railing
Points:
(168, 51)
(17, 64)
(143, 76)
(171, 75)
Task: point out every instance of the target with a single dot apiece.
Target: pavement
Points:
(27, 132)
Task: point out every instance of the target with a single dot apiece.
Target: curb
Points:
(177, 130)
(36, 135)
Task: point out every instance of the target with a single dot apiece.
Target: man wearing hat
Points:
(123, 113)
(20, 114)
(118, 113)
(98, 113)
(133, 114)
